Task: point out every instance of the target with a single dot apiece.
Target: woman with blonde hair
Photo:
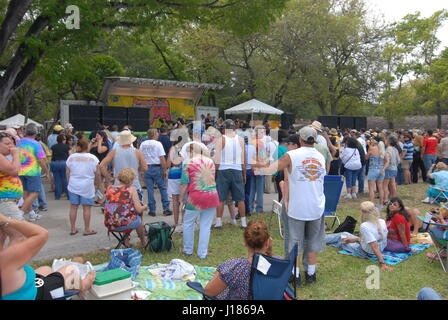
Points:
(123, 209)
(377, 162)
(372, 240)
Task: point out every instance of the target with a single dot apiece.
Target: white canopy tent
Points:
(18, 121)
(253, 106)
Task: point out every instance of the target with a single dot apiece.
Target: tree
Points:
(32, 29)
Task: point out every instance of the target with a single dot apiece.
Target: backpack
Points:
(159, 236)
(348, 225)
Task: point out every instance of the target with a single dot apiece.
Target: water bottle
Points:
(99, 194)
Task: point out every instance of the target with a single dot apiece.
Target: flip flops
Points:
(90, 233)
(73, 233)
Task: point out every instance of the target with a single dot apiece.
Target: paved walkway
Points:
(61, 244)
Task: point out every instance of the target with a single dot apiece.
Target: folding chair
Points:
(442, 196)
(277, 209)
(268, 278)
(441, 245)
(121, 236)
(332, 189)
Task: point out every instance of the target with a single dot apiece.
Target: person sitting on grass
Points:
(123, 209)
(19, 281)
(231, 280)
(404, 221)
(438, 172)
(373, 237)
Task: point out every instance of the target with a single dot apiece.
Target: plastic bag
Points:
(126, 259)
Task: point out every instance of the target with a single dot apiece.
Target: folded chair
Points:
(441, 245)
(121, 236)
(442, 196)
(277, 209)
(268, 278)
(332, 190)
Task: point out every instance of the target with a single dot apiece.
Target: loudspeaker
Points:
(360, 123)
(115, 115)
(329, 121)
(287, 120)
(346, 122)
(84, 118)
(138, 118)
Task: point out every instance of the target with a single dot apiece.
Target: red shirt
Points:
(430, 145)
(392, 226)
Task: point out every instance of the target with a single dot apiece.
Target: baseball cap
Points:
(306, 133)
(229, 124)
(58, 128)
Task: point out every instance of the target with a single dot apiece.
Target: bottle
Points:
(99, 194)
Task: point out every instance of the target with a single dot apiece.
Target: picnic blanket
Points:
(161, 289)
(393, 258)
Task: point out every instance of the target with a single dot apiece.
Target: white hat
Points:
(308, 132)
(317, 125)
(125, 138)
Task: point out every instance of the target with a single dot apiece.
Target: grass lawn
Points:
(339, 277)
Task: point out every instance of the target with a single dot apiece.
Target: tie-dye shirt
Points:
(30, 152)
(10, 187)
(199, 174)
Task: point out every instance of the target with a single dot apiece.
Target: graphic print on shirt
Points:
(311, 170)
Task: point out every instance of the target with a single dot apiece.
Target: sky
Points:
(394, 10)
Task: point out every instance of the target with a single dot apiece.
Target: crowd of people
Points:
(201, 167)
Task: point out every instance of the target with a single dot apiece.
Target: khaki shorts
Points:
(11, 210)
(406, 164)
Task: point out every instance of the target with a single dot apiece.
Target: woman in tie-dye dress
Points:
(198, 184)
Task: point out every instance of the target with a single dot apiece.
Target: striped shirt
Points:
(409, 148)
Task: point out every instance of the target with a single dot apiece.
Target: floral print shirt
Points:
(119, 210)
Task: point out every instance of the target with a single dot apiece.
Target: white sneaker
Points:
(35, 215)
(427, 200)
(354, 196)
(233, 222)
(28, 218)
(348, 196)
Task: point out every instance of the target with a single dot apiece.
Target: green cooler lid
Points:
(109, 276)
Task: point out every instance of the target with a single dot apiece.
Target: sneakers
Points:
(32, 216)
(152, 214)
(310, 279)
(295, 281)
(427, 200)
(43, 209)
(354, 196)
(167, 213)
(348, 196)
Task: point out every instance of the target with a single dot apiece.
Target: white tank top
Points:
(306, 184)
(231, 154)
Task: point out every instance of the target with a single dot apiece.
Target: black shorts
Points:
(50, 287)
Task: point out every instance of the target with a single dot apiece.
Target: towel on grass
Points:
(393, 258)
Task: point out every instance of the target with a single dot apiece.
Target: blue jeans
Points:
(361, 177)
(41, 200)
(134, 225)
(205, 220)
(247, 188)
(58, 169)
(429, 160)
(257, 187)
(335, 240)
(350, 177)
(154, 175)
(428, 294)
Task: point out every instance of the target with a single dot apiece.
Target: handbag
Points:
(348, 225)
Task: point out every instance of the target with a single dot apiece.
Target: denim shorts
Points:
(375, 175)
(76, 199)
(31, 184)
(390, 174)
(230, 180)
(134, 225)
(350, 177)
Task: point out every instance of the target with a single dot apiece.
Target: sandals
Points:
(73, 233)
(92, 232)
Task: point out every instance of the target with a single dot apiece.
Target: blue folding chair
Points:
(268, 278)
(332, 190)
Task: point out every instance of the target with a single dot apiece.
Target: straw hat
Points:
(333, 132)
(125, 138)
(317, 125)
